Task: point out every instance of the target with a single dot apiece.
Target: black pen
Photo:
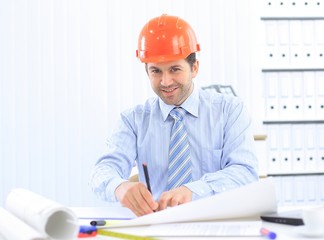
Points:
(98, 223)
(147, 178)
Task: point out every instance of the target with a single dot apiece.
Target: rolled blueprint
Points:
(48, 217)
(12, 227)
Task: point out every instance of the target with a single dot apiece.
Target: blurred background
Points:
(68, 68)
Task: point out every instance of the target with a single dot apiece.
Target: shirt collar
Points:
(190, 105)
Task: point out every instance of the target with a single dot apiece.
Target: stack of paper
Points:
(249, 201)
(233, 213)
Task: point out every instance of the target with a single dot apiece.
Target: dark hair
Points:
(191, 59)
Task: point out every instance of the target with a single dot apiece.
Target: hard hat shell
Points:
(166, 38)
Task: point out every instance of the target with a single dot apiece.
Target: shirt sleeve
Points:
(115, 166)
(238, 158)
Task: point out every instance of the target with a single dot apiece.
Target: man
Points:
(202, 147)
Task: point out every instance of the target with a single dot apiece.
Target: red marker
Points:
(267, 233)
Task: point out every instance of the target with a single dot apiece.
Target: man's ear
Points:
(195, 68)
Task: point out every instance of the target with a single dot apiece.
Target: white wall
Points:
(68, 67)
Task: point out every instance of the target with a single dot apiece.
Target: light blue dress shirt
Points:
(221, 146)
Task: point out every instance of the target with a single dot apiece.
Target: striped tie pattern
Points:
(179, 171)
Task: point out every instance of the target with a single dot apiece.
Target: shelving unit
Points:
(293, 80)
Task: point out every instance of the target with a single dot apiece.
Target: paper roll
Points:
(46, 216)
(12, 227)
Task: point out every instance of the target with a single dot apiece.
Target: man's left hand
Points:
(174, 197)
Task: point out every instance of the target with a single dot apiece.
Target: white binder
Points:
(299, 188)
(287, 190)
(297, 95)
(271, 49)
(310, 132)
(273, 149)
(284, 132)
(278, 186)
(320, 146)
(320, 94)
(319, 41)
(284, 40)
(308, 54)
(296, 42)
(321, 188)
(309, 106)
(271, 95)
(312, 190)
(285, 95)
(298, 162)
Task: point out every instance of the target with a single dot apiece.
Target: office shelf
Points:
(292, 17)
(293, 121)
(293, 69)
(296, 174)
(293, 79)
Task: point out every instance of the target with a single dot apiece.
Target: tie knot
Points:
(178, 113)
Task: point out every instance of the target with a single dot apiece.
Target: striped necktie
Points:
(179, 171)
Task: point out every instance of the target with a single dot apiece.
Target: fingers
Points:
(131, 205)
(164, 200)
(171, 200)
(136, 197)
(153, 205)
(174, 197)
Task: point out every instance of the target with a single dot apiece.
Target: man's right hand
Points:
(136, 197)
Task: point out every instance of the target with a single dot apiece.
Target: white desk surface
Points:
(284, 232)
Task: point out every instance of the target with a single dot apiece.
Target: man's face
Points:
(172, 81)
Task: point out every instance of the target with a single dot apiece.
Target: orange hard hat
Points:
(166, 38)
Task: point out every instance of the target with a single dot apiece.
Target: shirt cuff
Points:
(199, 189)
(110, 191)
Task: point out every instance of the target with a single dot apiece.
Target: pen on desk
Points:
(108, 222)
(268, 233)
(147, 178)
(98, 223)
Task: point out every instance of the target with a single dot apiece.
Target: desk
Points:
(284, 232)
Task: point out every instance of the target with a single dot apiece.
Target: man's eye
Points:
(155, 71)
(175, 69)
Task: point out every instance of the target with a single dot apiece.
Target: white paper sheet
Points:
(115, 211)
(248, 201)
(205, 229)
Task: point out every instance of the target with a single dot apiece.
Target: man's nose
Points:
(166, 79)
